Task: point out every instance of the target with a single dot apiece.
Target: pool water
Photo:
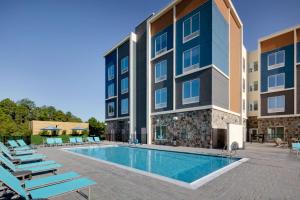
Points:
(186, 167)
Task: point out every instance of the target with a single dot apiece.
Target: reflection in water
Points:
(181, 166)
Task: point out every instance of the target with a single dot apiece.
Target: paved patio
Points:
(271, 173)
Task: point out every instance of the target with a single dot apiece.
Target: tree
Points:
(96, 127)
(7, 125)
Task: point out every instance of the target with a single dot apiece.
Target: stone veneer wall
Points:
(113, 130)
(193, 128)
(252, 122)
(290, 124)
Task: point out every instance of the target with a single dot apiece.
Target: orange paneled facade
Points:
(187, 6)
(162, 22)
(277, 42)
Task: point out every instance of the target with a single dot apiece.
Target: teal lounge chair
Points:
(50, 180)
(16, 152)
(22, 144)
(58, 141)
(72, 140)
(97, 139)
(296, 148)
(50, 141)
(90, 140)
(35, 168)
(43, 192)
(22, 159)
(13, 144)
(79, 140)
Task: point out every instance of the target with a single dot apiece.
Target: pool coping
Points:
(193, 185)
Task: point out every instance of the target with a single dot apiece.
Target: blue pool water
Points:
(186, 167)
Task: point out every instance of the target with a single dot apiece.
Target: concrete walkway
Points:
(271, 173)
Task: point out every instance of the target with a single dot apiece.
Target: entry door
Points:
(276, 132)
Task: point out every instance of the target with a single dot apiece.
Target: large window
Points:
(253, 86)
(244, 85)
(161, 71)
(111, 72)
(161, 132)
(124, 106)
(191, 59)
(191, 91)
(276, 132)
(276, 104)
(161, 43)
(191, 27)
(111, 109)
(111, 90)
(276, 81)
(255, 105)
(161, 98)
(124, 65)
(124, 85)
(276, 60)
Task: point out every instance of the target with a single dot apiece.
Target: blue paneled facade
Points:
(111, 65)
(287, 69)
(220, 41)
(298, 52)
(203, 40)
(169, 39)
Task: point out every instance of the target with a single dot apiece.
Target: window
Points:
(161, 71)
(250, 107)
(255, 66)
(124, 65)
(124, 106)
(276, 81)
(160, 44)
(111, 90)
(191, 90)
(161, 132)
(255, 105)
(255, 85)
(111, 109)
(244, 85)
(191, 28)
(276, 104)
(276, 132)
(191, 59)
(276, 60)
(244, 104)
(244, 65)
(111, 72)
(124, 85)
(161, 98)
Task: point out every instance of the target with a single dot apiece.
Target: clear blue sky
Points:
(51, 50)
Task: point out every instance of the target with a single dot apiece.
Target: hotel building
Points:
(279, 73)
(181, 77)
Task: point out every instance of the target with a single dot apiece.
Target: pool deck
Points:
(271, 173)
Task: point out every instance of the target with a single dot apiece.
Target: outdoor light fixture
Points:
(157, 121)
(175, 118)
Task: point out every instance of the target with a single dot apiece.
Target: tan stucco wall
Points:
(252, 76)
(36, 126)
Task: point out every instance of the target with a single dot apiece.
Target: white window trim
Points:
(191, 67)
(160, 105)
(124, 71)
(280, 87)
(277, 65)
(123, 113)
(190, 100)
(193, 34)
(276, 110)
(110, 114)
(164, 77)
(160, 127)
(164, 49)
(126, 90)
(113, 94)
(109, 76)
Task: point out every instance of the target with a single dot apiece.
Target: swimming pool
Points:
(186, 169)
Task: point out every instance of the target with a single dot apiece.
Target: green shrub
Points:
(44, 133)
(65, 138)
(36, 139)
(64, 132)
